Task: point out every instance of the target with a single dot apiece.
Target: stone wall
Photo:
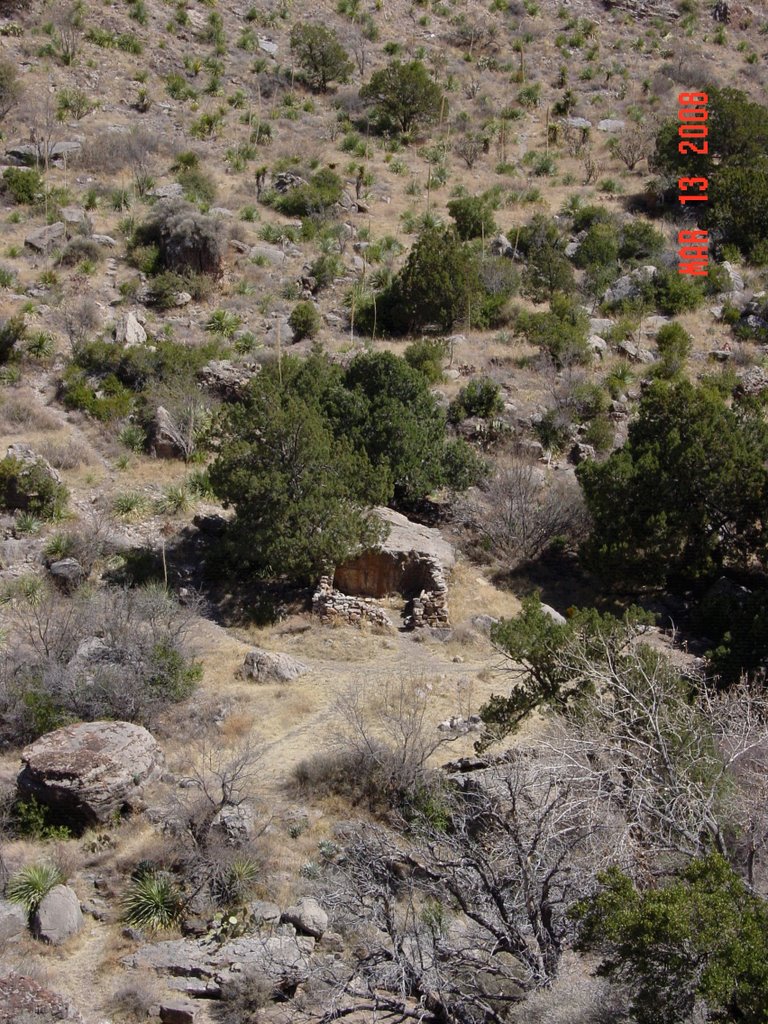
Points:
(430, 608)
(331, 606)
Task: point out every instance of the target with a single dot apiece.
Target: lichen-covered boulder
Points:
(86, 773)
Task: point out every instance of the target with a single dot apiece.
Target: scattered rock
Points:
(737, 281)
(166, 441)
(268, 46)
(173, 190)
(129, 331)
(22, 999)
(226, 379)
(177, 1012)
(634, 353)
(484, 623)
(753, 381)
(58, 917)
(307, 916)
(653, 324)
(598, 345)
(629, 284)
(600, 325)
(106, 240)
(611, 125)
(264, 252)
(68, 571)
(271, 666)
(75, 215)
(553, 614)
(236, 824)
(287, 337)
(45, 238)
(13, 921)
(577, 122)
(88, 772)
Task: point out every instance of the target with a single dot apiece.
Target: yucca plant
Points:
(130, 505)
(224, 322)
(174, 500)
(31, 885)
(153, 901)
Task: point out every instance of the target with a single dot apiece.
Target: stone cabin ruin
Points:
(412, 561)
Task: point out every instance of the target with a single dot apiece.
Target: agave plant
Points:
(31, 885)
(153, 901)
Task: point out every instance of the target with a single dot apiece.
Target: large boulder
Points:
(410, 559)
(272, 666)
(129, 331)
(86, 773)
(226, 379)
(166, 440)
(307, 916)
(13, 921)
(46, 237)
(22, 999)
(58, 917)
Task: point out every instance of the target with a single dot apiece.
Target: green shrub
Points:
(30, 488)
(25, 185)
(31, 819)
(198, 186)
(480, 397)
(304, 320)
(427, 357)
(31, 885)
(12, 331)
(111, 400)
(315, 197)
(473, 216)
(187, 241)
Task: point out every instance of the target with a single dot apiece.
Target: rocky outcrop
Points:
(58, 917)
(281, 960)
(86, 773)
(166, 441)
(332, 606)
(753, 381)
(272, 666)
(129, 330)
(227, 380)
(23, 999)
(307, 916)
(645, 8)
(45, 238)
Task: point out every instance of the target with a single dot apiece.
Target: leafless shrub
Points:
(112, 151)
(80, 317)
(591, 167)
(379, 750)
(105, 654)
(577, 996)
(69, 454)
(469, 147)
(517, 513)
(21, 412)
(633, 144)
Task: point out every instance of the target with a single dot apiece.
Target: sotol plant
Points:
(153, 901)
(31, 885)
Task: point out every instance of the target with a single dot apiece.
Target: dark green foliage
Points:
(187, 241)
(736, 165)
(304, 320)
(674, 345)
(676, 293)
(480, 397)
(299, 491)
(641, 242)
(108, 400)
(473, 216)
(462, 466)
(198, 186)
(702, 937)
(534, 644)
(12, 331)
(30, 488)
(438, 285)
(24, 184)
(314, 445)
(561, 333)
(734, 618)
(320, 54)
(685, 495)
(315, 197)
(547, 269)
(11, 88)
(427, 357)
(599, 247)
(404, 97)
